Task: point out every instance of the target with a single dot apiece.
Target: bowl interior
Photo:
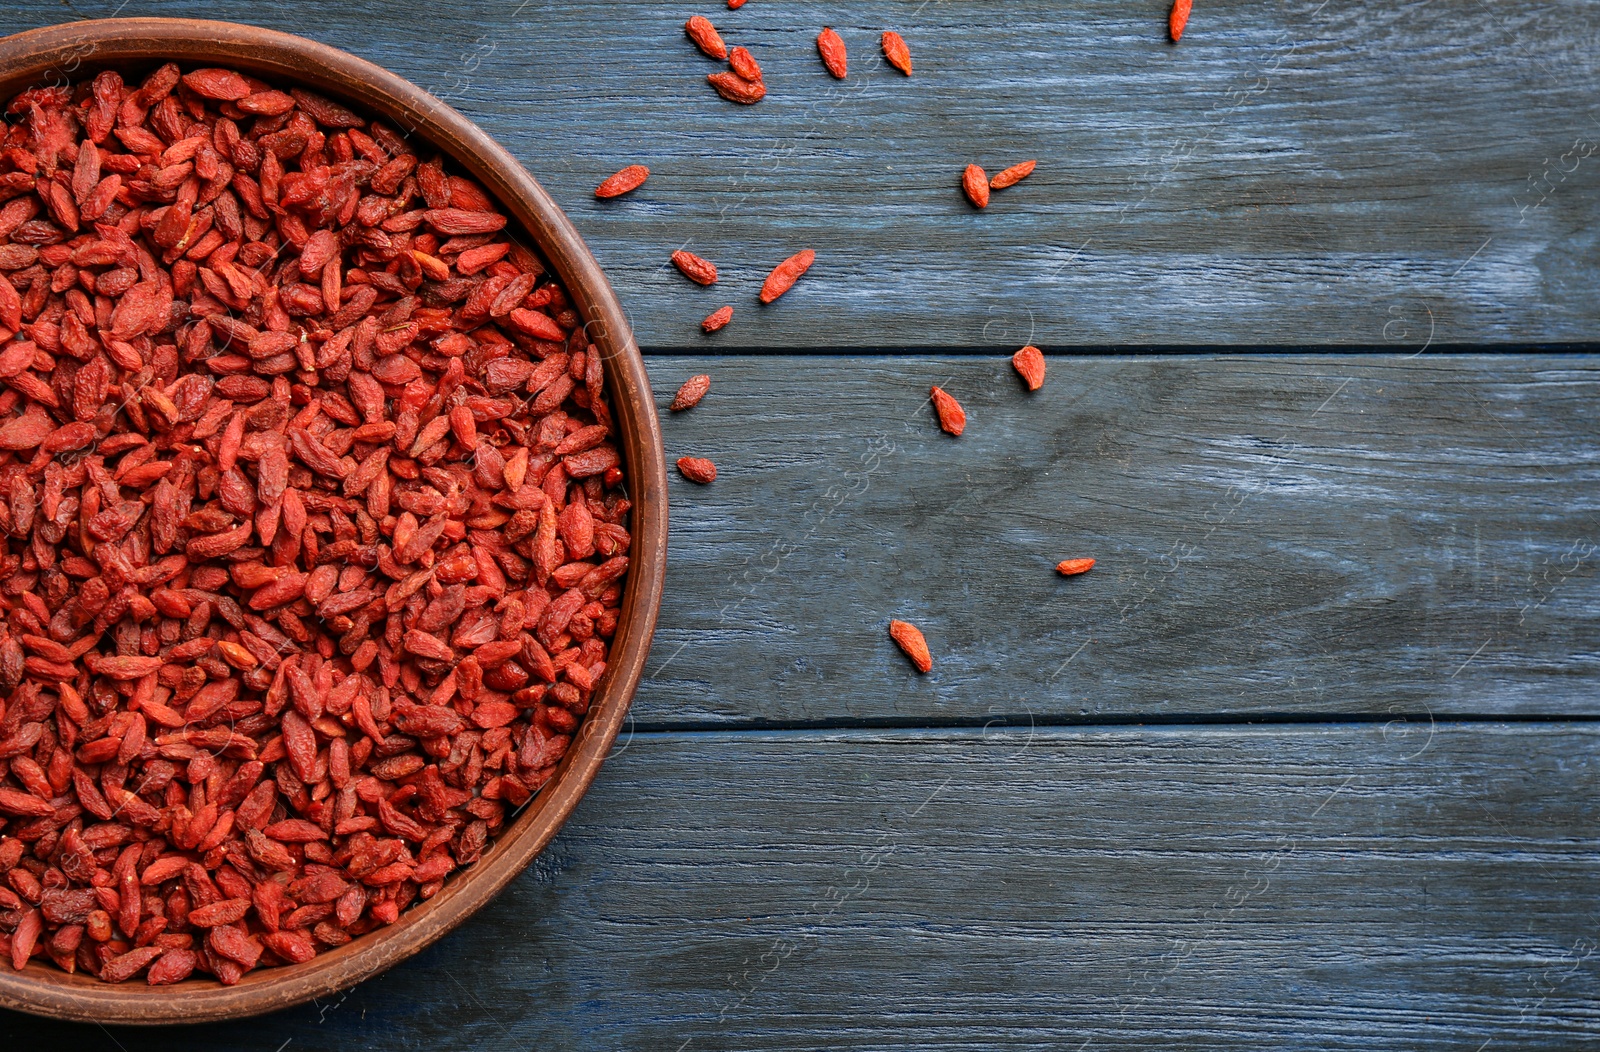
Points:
(134, 46)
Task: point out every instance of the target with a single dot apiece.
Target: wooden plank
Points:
(1354, 534)
(1317, 887)
(1295, 174)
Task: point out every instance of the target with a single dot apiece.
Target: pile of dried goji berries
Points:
(314, 534)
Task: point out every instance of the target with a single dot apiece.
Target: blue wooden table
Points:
(1308, 759)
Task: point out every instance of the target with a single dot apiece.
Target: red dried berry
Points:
(785, 274)
(717, 319)
(908, 637)
(1069, 567)
(697, 469)
(976, 184)
(700, 271)
(1178, 18)
(951, 416)
(705, 37)
(744, 64)
(895, 50)
(223, 84)
(735, 88)
(1029, 364)
(629, 179)
(690, 393)
(1013, 175)
(832, 50)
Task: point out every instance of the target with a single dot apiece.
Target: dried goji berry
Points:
(628, 179)
(832, 50)
(1178, 18)
(698, 270)
(705, 37)
(908, 637)
(690, 393)
(976, 184)
(735, 88)
(717, 319)
(1013, 175)
(785, 274)
(951, 416)
(1029, 363)
(697, 469)
(895, 50)
(744, 64)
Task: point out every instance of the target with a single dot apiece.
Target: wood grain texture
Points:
(1292, 174)
(1353, 534)
(1305, 888)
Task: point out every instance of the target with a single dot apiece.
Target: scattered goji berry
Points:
(1029, 363)
(625, 181)
(735, 88)
(690, 393)
(785, 274)
(832, 50)
(700, 271)
(976, 184)
(951, 416)
(1178, 18)
(1013, 175)
(908, 637)
(697, 469)
(744, 64)
(895, 50)
(705, 37)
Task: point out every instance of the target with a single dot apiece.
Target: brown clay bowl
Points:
(135, 46)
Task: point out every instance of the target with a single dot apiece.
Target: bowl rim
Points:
(72, 51)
